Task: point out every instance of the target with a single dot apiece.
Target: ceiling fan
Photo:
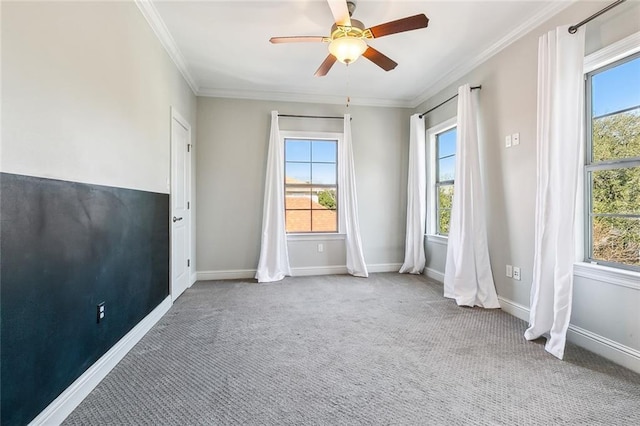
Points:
(347, 40)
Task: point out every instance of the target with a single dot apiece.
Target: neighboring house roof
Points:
(288, 179)
(324, 220)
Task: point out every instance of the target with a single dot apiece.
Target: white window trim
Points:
(332, 136)
(438, 239)
(431, 179)
(607, 274)
(612, 53)
(320, 236)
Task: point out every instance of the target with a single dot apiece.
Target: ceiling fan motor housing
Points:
(355, 30)
(351, 6)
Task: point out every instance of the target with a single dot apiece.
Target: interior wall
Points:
(86, 103)
(507, 106)
(233, 137)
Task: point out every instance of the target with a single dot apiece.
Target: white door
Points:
(180, 205)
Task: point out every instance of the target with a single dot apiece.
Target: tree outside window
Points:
(445, 173)
(613, 164)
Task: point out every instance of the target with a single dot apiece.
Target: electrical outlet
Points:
(320, 248)
(516, 273)
(507, 141)
(509, 271)
(515, 138)
(100, 311)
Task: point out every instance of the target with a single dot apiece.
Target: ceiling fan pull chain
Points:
(348, 97)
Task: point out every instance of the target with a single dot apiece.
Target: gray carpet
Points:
(337, 350)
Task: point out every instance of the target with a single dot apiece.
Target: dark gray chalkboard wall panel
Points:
(65, 247)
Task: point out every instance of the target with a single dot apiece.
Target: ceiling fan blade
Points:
(340, 12)
(379, 59)
(401, 25)
(325, 66)
(297, 39)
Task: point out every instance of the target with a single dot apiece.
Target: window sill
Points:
(437, 239)
(315, 237)
(607, 274)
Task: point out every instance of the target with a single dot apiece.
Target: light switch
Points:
(507, 141)
(509, 271)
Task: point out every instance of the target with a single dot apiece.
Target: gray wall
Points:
(233, 138)
(508, 105)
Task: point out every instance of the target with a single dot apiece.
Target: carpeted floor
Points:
(338, 350)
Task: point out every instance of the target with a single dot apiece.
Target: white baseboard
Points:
(318, 270)
(234, 274)
(607, 348)
(68, 400)
(342, 269)
(434, 275)
(305, 271)
(513, 308)
(384, 267)
(193, 278)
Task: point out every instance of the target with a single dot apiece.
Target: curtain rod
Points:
(574, 28)
(310, 116)
(444, 102)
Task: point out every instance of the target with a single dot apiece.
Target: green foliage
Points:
(616, 191)
(445, 201)
(616, 136)
(327, 198)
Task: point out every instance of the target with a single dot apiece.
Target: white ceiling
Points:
(223, 49)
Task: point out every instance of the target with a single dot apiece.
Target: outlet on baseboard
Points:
(320, 248)
(509, 271)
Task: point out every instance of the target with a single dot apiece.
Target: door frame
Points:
(175, 115)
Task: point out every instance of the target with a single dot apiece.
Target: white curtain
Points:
(348, 205)
(274, 257)
(468, 278)
(414, 257)
(559, 143)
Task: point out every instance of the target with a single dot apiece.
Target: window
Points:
(442, 156)
(445, 173)
(311, 189)
(612, 171)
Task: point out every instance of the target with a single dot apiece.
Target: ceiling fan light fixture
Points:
(347, 49)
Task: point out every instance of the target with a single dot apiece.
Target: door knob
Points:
(175, 219)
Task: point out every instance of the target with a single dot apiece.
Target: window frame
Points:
(610, 57)
(317, 136)
(433, 184)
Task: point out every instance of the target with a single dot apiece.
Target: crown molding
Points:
(301, 97)
(158, 26)
(463, 69)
